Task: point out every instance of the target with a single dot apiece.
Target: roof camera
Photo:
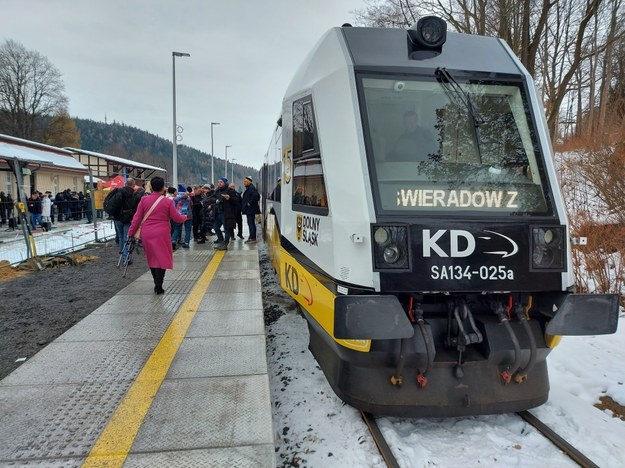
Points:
(426, 37)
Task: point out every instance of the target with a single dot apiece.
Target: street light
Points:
(226, 168)
(232, 169)
(212, 181)
(175, 142)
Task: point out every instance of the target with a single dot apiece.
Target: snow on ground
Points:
(314, 428)
(63, 238)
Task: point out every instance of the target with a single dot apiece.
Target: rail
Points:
(14, 250)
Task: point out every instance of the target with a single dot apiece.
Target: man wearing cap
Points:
(250, 208)
(224, 213)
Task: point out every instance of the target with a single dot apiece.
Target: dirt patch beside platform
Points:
(38, 306)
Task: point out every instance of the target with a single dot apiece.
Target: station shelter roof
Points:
(38, 155)
(108, 166)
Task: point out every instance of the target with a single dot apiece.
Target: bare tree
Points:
(550, 37)
(615, 34)
(387, 14)
(30, 88)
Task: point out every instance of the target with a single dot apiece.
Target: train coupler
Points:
(461, 319)
(422, 380)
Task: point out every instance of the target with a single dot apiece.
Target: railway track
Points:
(568, 449)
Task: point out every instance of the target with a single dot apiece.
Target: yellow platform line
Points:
(112, 447)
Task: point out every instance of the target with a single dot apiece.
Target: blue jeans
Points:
(188, 225)
(122, 232)
(34, 219)
(219, 221)
(251, 224)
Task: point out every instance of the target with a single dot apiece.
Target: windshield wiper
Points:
(456, 94)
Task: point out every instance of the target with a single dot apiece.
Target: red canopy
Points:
(115, 182)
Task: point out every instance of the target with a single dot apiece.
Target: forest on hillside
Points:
(124, 141)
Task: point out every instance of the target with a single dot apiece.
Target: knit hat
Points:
(248, 178)
(224, 180)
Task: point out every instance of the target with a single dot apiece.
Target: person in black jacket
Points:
(208, 212)
(196, 204)
(34, 208)
(130, 201)
(250, 208)
(59, 202)
(238, 216)
(224, 199)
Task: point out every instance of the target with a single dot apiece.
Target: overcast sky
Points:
(116, 60)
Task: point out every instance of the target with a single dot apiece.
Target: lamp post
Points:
(175, 141)
(212, 181)
(226, 168)
(232, 169)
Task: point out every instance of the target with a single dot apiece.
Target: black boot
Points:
(154, 276)
(160, 277)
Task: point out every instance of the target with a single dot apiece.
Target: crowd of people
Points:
(201, 211)
(45, 209)
(161, 214)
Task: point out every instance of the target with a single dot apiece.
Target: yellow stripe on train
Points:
(314, 297)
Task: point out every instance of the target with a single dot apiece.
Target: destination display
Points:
(511, 198)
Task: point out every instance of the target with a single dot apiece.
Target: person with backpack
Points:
(182, 202)
(121, 205)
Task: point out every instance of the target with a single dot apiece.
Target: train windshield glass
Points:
(452, 146)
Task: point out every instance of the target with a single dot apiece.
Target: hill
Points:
(124, 141)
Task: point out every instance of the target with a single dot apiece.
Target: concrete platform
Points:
(178, 379)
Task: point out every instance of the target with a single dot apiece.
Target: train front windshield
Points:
(444, 145)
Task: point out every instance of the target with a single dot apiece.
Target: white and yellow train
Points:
(412, 208)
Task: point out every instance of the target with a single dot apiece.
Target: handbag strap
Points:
(158, 200)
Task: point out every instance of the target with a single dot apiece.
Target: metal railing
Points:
(14, 250)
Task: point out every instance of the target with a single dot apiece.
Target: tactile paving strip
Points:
(107, 327)
(71, 427)
(181, 264)
(138, 304)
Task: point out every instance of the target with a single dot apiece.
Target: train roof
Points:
(385, 47)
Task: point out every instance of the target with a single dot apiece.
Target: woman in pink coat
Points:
(156, 231)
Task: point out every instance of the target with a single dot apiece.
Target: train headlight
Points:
(390, 247)
(391, 254)
(380, 236)
(548, 248)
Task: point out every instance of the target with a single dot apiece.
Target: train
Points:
(411, 207)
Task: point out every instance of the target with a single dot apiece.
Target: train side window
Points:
(309, 192)
(304, 129)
